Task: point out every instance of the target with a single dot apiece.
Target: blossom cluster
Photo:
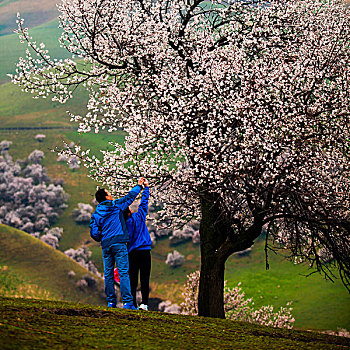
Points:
(82, 214)
(71, 159)
(52, 236)
(175, 259)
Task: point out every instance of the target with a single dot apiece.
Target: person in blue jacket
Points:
(108, 226)
(139, 248)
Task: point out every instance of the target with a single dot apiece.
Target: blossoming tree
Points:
(237, 111)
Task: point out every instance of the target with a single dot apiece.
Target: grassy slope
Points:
(313, 297)
(34, 12)
(32, 263)
(317, 303)
(30, 324)
(77, 184)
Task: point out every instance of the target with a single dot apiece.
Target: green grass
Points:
(27, 324)
(317, 303)
(19, 109)
(31, 268)
(13, 284)
(79, 186)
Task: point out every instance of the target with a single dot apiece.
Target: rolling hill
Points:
(31, 268)
(35, 12)
(317, 303)
(11, 48)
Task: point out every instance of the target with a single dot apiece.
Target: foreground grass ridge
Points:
(30, 324)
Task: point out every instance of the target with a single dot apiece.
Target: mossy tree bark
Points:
(218, 241)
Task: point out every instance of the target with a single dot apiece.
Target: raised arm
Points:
(143, 207)
(124, 202)
(94, 230)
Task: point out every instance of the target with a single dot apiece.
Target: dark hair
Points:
(126, 213)
(101, 195)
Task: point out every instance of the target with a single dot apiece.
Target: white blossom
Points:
(40, 137)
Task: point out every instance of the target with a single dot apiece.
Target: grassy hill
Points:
(317, 303)
(31, 268)
(35, 12)
(29, 324)
(18, 109)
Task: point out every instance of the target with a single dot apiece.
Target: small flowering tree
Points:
(237, 112)
(175, 259)
(82, 214)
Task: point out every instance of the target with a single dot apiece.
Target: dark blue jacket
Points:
(139, 237)
(107, 223)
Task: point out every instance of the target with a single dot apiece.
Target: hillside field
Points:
(312, 297)
(11, 48)
(31, 268)
(27, 324)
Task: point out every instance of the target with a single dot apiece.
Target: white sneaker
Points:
(143, 307)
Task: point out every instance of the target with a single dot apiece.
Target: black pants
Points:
(140, 260)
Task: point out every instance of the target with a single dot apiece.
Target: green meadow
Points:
(33, 324)
(11, 48)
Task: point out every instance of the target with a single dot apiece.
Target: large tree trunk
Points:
(211, 285)
(218, 242)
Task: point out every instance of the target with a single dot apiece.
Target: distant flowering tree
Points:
(52, 236)
(237, 112)
(82, 256)
(40, 137)
(36, 157)
(82, 214)
(175, 259)
(5, 146)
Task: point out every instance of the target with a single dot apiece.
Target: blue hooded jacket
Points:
(107, 223)
(139, 237)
